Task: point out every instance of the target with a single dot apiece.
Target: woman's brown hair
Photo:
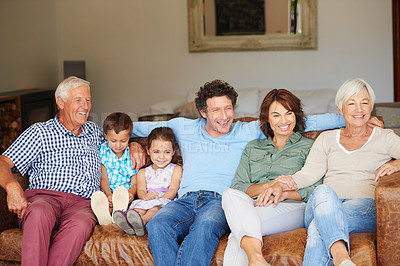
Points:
(289, 101)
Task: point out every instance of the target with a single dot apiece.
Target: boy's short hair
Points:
(119, 122)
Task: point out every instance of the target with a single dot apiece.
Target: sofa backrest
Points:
(318, 101)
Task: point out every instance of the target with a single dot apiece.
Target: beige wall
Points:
(136, 51)
(28, 47)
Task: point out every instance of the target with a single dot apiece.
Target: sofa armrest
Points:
(387, 201)
(8, 219)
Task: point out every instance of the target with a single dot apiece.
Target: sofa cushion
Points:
(317, 101)
(246, 102)
(188, 110)
(109, 245)
(167, 106)
(10, 244)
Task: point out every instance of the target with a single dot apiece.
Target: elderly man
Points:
(61, 157)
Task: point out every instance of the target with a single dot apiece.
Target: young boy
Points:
(118, 178)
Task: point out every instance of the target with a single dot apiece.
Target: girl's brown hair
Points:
(165, 134)
(289, 101)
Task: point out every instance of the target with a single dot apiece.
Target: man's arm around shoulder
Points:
(324, 122)
(16, 200)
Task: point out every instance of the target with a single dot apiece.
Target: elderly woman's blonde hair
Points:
(68, 84)
(350, 87)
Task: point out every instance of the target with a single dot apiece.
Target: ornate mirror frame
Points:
(198, 42)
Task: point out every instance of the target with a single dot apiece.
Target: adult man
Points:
(61, 157)
(187, 231)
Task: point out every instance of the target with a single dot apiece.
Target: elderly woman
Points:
(351, 160)
(283, 152)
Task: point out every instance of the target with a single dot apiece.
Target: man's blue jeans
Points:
(187, 231)
(330, 219)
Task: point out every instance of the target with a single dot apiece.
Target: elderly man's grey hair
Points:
(351, 87)
(68, 84)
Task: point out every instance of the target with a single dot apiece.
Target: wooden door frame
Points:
(396, 48)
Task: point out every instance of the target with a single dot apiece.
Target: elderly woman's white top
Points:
(351, 174)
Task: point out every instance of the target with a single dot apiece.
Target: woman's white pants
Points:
(245, 219)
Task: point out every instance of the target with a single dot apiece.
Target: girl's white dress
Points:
(157, 180)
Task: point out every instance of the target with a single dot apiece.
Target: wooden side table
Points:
(157, 117)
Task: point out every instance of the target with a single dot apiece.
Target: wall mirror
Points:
(251, 25)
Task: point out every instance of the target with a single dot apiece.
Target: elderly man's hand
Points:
(16, 200)
(375, 122)
(137, 155)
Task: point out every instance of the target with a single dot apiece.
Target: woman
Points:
(351, 160)
(284, 151)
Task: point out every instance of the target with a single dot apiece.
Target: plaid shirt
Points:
(56, 159)
(119, 171)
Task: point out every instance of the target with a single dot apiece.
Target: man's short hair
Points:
(212, 89)
(68, 84)
(119, 122)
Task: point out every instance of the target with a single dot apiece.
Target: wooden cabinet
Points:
(21, 108)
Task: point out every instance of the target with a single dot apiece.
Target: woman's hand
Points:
(288, 180)
(271, 195)
(151, 195)
(387, 169)
(272, 199)
(137, 155)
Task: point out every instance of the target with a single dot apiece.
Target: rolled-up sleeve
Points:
(241, 180)
(324, 122)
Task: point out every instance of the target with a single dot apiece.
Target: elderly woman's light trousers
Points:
(330, 219)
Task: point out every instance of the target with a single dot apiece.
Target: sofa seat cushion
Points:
(109, 245)
(10, 244)
(287, 248)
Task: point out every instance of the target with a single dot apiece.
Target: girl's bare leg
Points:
(141, 212)
(149, 213)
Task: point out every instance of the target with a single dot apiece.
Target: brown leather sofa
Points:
(108, 245)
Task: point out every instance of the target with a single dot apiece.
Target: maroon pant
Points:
(48, 210)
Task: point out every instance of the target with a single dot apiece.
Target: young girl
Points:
(157, 184)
